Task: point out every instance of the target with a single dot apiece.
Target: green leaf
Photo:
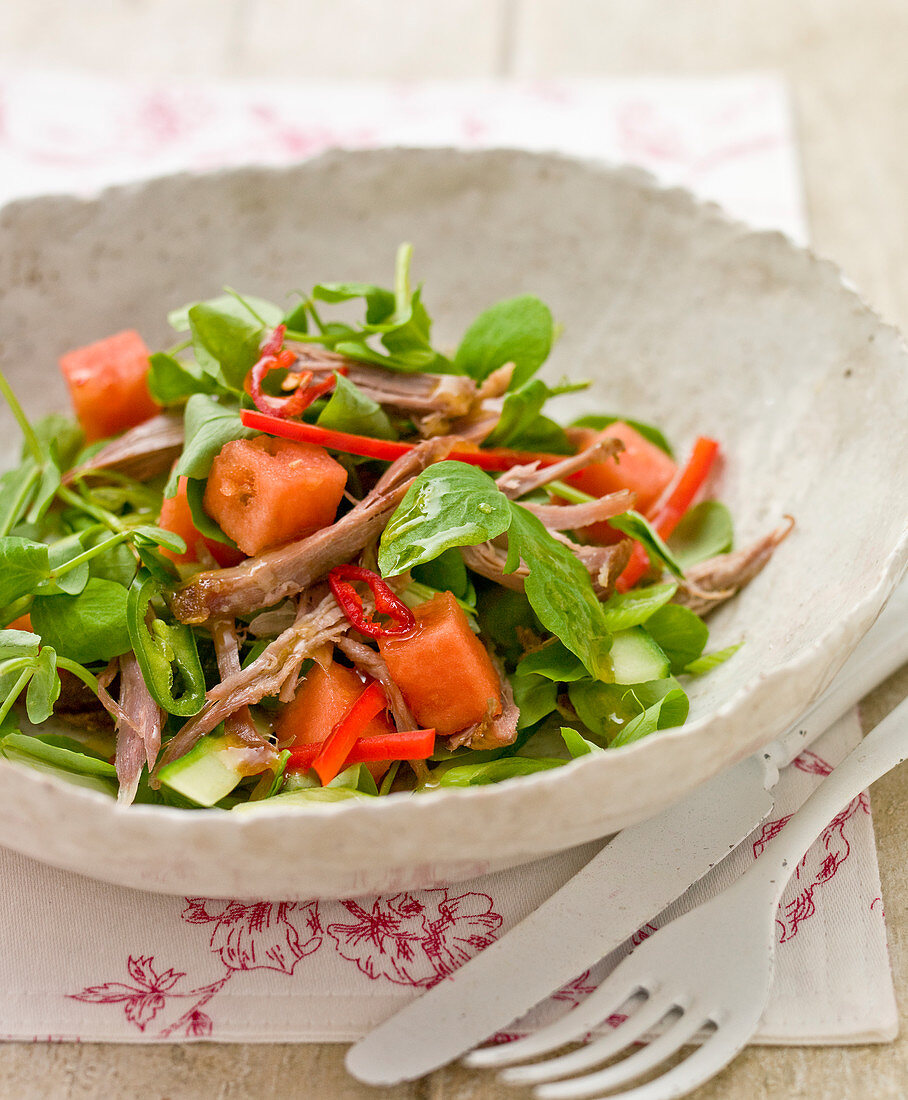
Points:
(380, 303)
(58, 554)
(449, 504)
(355, 778)
(79, 763)
(43, 687)
(350, 410)
(504, 616)
(519, 424)
(703, 532)
(670, 710)
(23, 566)
(208, 427)
(680, 634)
(203, 523)
(307, 796)
(88, 627)
(171, 381)
(447, 573)
(535, 696)
(577, 744)
(18, 643)
(149, 535)
(494, 771)
(639, 528)
(648, 431)
(559, 590)
(555, 662)
(17, 491)
(626, 609)
(225, 346)
(709, 661)
(61, 437)
(519, 331)
(604, 708)
(247, 308)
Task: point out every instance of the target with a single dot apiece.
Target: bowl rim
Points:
(859, 619)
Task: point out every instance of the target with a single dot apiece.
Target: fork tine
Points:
(576, 1023)
(671, 1040)
(646, 1017)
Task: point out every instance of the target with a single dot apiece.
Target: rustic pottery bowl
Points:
(679, 315)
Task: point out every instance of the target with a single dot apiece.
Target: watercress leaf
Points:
(519, 415)
(555, 662)
(245, 308)
(559, 590)
(416, 359)
(709, 661)
(208, 426)
(225, 345)
(380, 303)
(447, 573)
(78, 763)
(577, 744)
(161, 568)
(43, 687)
(171, 381)
(148, 535)
(58, 553)
(505, 617)
(297, 318)
(637, 527)
(494, 771)
(355, 778)
(626, 609)
(117, 563)
(670, 710)
(535, 696)
(680, 634)
(307, 796)
(90, 626)
(604, 708)
(23, 566)
(351, 410)
(18, 643)
(519, 331)
(449, 504)
(703, 532)
(648, 431)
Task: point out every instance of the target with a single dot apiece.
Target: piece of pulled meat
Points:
(264, 676)
(371, 663)
(520, 480)
(712, 582)
(227, 651)
(142, 452)
(495, 730)
(275, 574)
(138, 730)
(574, 517)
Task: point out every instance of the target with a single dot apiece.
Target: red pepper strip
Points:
(495, 458)
(385, 601)
(275, 357)
(406, 745)
(676, 504)
(337, 745)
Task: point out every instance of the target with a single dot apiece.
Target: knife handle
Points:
(882, 650)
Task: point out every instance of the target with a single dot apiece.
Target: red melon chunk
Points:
(442, 668)
(108, 384)
(267, 491)
(641, 467)
(176, 516)
(321, 701)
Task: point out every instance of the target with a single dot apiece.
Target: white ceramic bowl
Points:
(679, 315)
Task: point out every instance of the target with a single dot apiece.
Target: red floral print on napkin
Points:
(258, 934)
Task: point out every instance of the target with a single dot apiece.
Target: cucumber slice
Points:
(205, 774)
(636, 657)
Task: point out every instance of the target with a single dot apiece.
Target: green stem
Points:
(87, 678)
(14, 610)
(568, 492)
(24, 493)
(177, 348)
(17, 688)
(100, 514)
(87, 555)
(402, 279)
(27, 430)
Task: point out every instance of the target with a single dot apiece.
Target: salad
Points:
(299, 558)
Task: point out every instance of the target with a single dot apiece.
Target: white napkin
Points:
(96, 962)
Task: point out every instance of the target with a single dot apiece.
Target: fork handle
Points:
(881, 750)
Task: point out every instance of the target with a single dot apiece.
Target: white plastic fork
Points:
(709, 970)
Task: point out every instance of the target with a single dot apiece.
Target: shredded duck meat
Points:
(273, 575)
(138, 731)
(371, 663)
(142, 452)
(605, 564)
(573, 517)
(520, 480)
(227, 651)
(494, 731)
(712, 582)
(265, 676)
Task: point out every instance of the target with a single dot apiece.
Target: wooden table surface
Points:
(845, 60)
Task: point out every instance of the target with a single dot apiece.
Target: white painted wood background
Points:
(846, 61)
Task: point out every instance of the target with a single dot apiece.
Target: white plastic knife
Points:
(633, 878)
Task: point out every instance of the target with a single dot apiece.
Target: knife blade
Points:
(635, 876)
